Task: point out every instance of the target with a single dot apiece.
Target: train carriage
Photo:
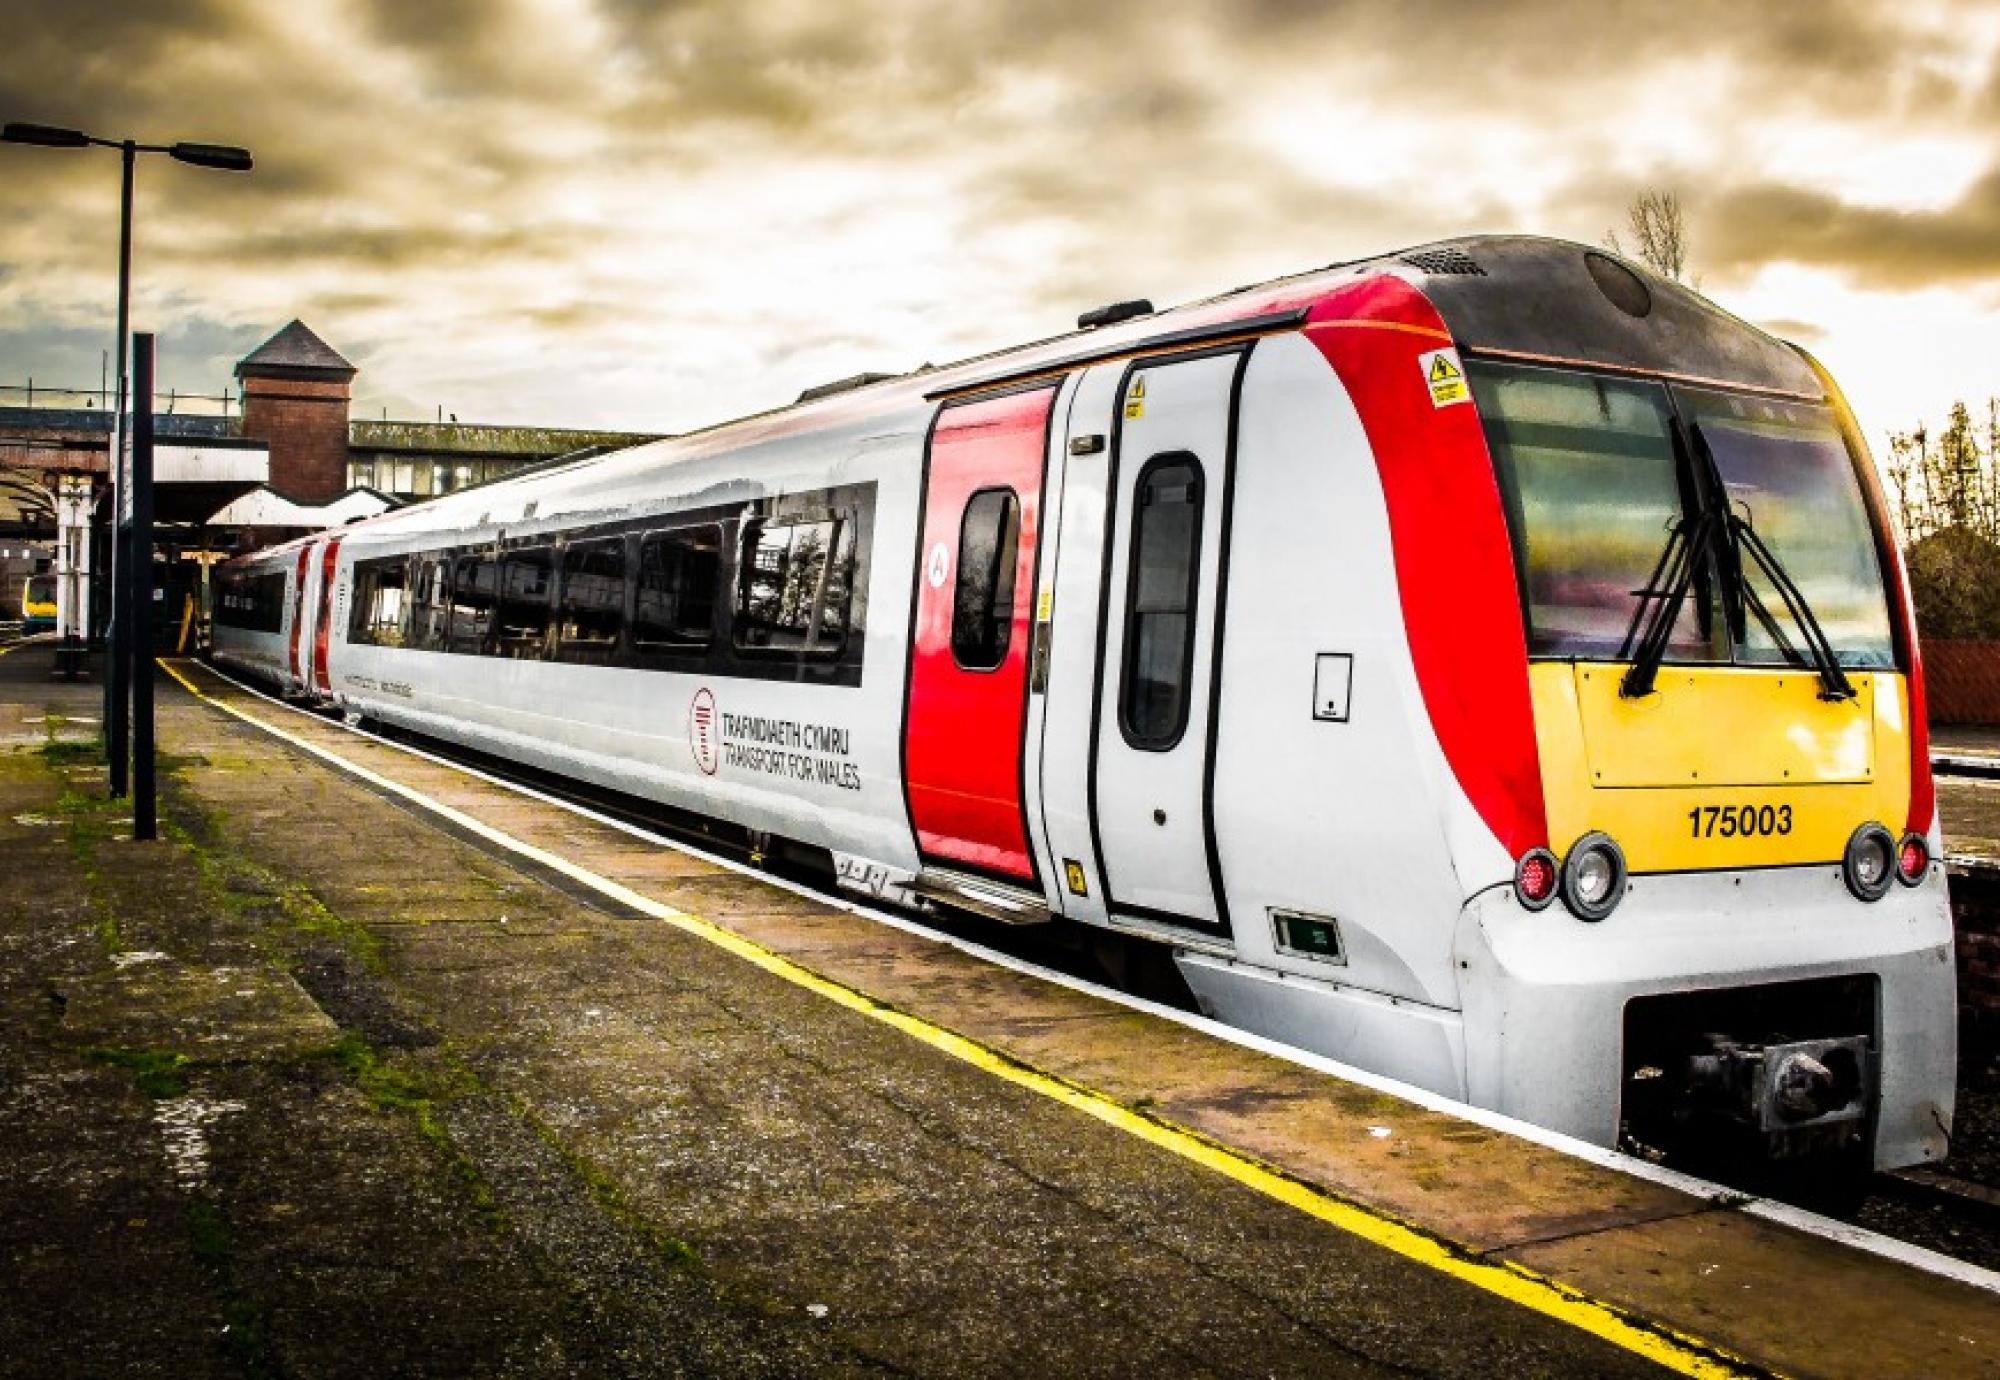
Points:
(1488, 664)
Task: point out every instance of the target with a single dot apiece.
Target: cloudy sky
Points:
(652, 216)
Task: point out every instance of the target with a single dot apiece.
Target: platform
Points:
(372, 1066)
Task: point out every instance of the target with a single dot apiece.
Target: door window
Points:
(982, 614)
(1160, 607)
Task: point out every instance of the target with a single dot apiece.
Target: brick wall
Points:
(1975, 911)
(1962, 681)
(304, 422)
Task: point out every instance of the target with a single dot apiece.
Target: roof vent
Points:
(846, 385)
(1113, 314)
(1453, 262)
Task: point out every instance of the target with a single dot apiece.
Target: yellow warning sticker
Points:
(1073, 874)
(1135, 398)
(1045, 605)
(1445, 377)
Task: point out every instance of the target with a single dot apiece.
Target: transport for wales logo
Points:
(701, 732)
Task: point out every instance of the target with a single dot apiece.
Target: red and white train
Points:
(1487, 664)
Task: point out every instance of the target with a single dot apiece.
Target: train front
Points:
(1737, 940)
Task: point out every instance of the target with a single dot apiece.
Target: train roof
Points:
(1502, 296)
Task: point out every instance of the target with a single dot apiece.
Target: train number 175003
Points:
(1739, 821)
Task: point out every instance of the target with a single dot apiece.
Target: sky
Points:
(612, 213)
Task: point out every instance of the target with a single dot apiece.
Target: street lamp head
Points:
(49, 136)
(224, 156)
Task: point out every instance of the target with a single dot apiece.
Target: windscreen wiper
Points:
(1660, 601)
(1833, 681)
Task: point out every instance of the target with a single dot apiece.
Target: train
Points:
(38, 604)
(1488, 664)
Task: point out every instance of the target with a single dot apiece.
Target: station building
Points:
(284, 457)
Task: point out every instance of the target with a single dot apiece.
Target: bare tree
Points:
(1658, 228)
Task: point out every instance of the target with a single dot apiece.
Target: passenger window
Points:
(430, 606)
(593, 596)
(523, 616)
(678, 575)
(982, 612)
(1159, 618)
(377, 616)
(793, 586)
(471, 603)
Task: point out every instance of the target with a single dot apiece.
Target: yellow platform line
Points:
(1676, 1351)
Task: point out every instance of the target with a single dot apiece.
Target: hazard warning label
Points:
(1445, 377)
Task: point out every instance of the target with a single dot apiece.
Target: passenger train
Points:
(38, 604)
(1488, 664)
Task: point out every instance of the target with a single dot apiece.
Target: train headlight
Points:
(1869, 863)
(1593, 877)
(1913, 859)
(1535, 879)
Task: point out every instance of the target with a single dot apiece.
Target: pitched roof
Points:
(294, 347)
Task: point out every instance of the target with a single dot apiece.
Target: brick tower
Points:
(296, 389)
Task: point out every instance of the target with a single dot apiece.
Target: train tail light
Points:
(1869, 863)
(1535, 879)
(1913, 859)
(1593, 877)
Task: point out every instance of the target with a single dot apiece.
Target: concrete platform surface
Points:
(324, 1084)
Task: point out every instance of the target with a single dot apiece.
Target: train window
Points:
(982, 610)
(254, 603)
(430, 605)
(376, 616)
(793, 585)
(522, 618)
(471, 602)
(1588, 474)
(1788, 471)
(678, 575)
(1160, 603)
(593, 596)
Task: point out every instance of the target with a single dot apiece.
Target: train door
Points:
(1153, 737)
(304, 567)
(323, 624)
(964, 733)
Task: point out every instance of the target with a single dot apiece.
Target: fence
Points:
(32, 395)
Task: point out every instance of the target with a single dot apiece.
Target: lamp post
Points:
(127, 567)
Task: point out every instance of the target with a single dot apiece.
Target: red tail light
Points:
(1535, 878)
(1913, 859)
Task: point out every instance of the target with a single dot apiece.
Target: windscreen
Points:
(1786, 469)
(1592, 486)
(41, 589)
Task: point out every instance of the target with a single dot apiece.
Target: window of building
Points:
(1160, 609)
(982, 611)
(792, 586)
(593, 596)
(522, 619)
(471, 602)
(679, 572)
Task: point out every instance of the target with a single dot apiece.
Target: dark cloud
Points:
(1876, 245)
(606, 159)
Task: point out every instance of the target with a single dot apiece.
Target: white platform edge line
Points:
(1717, 1195)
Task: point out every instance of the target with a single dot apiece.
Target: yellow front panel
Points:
(1721, 726)
(1724, 768)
